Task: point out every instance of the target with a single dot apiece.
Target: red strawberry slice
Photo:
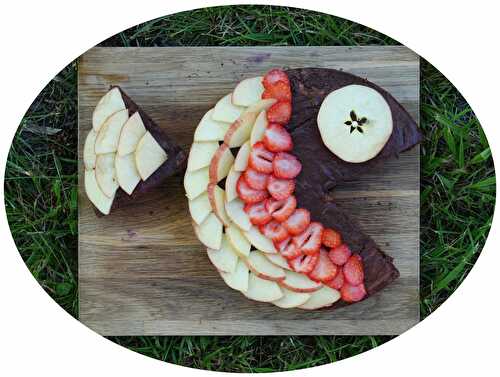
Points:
(280, 112)
(304, 263)
(274, 231)
(340, 254)
(280, 91)
(280, 188)
(331, 238)
(309, 241)
(273, 77)
(287, 248)
(352, 293)
(248, 194)
(257, 213)
(255, 179)
(298, 221)
(281, 209)
(338, 280)
(286, 165)
(353, 270)
(324, 270)
(261, 159)
(277, 139)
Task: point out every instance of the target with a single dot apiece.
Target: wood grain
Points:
(141, 269)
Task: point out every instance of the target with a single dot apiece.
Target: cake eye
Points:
(355, 122)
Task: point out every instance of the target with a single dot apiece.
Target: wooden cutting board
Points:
(143, 272)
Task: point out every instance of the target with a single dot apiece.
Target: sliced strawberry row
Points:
(267, 188)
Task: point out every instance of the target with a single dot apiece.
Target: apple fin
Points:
(109, 104)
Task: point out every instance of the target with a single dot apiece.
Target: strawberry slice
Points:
(298, 221)
(287, 248)
(338, 280)
(352, 293)
(257, 213)
(280, 91)
(274, 231)
(273, 77)
(255, 179)
(280, 188)
(340, 254)
(286, 165)
(324, 270)
(331, 238)
(261, 159)
(309, 241)
(304, 264)
(277, 139)
(281, 209)
(248, 194)
(280, 112)
(353, 270)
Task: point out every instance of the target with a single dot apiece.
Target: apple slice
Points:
(238, 241)
(149, 156)
(226, 111)
(209, 232)
(95, 194)
(259, 241)
(231, 180)
(264, 269)
(278, 260)
(240, 130)
(291, 299)
(238, 279)
(109, 134)
(259, 128)
(248, 91)
(201, 154)
(89, 150)
(225, 259)
(217, 198)
(260, 106)
(126, 172)
(221, 164)
(234, 210)
(262, 290)
(132, 131)
(200, 208)
(196, 182)
(299, 282)
(355, 122)
(209, 129)
(109, 104)
(241, 160)
(323, 297)
(105, 174)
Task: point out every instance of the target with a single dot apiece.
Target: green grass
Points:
(457, 178)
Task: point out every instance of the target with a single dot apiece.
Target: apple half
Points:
(248, 91)
(94, 193)
(355, 123)
(149, 156)
(109, 104)
(262, 290)
(226, 111)
(322, 298)
(132, 132)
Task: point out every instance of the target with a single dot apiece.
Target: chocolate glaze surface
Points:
(322, 171)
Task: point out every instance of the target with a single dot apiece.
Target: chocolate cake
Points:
(322, 171)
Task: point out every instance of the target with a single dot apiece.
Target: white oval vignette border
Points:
(40, 38)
